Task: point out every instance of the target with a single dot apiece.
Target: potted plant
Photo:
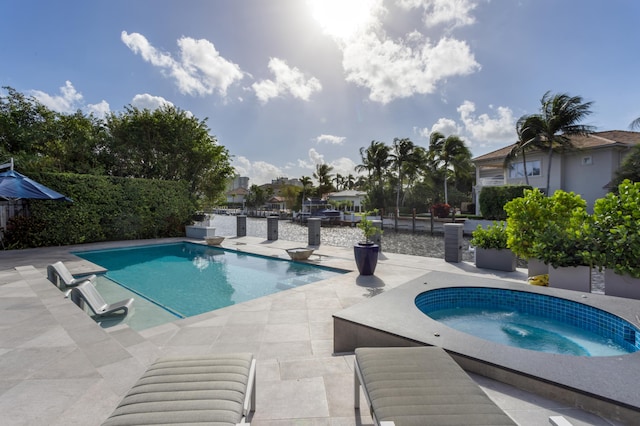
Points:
(366, 252)
(491, 248)
(565, 243)
(616, 232)
(526, 216)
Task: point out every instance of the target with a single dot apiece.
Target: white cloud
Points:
(392, 70)
(259, 172)
(315, 157)
(150, 102)
(499, 128)
(331, 139)
(68, 101)
(343, 165)
(436, 12)
(200, 69)
(100, 109)
(287, 80)
(446, 126)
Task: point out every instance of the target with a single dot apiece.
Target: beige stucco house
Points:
(587, 170)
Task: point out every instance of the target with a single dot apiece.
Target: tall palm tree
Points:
(323, 175)
(338, 180)
(306, 183)
(559, 119)
(446, 154)
(528, 139)
(375, 161)
(349, 181)
(635, 124)
(404, 157)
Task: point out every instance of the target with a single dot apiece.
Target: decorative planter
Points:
(299, 253)
(537, 267)
(500, 259)
(621, 285)
(366, 257)
(214, 241)
(577, 278)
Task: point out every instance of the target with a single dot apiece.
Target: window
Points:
(587, 161)
(516, 170)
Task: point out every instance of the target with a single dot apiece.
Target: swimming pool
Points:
(531, 321)
(188, 279)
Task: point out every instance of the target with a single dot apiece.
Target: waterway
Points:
(403, 242)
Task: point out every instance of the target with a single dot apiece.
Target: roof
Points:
(238, 191)
(594, 140)
(348, 193)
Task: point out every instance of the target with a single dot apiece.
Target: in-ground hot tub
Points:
(605, 385)
(531, 321)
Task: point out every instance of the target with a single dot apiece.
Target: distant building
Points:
(587, 170)
(355, 198)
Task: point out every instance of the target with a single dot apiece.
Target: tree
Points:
(375, 161)
(404, 158)
(528, 139)
(635, 124)
(559, 119)
(168, 144)
(450, 155)
(323, 176)
(256, 197)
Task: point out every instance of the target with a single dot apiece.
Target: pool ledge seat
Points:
(420, 386)
(213, 389)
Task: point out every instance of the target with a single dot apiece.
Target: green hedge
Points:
(493, 199)
(103, 209)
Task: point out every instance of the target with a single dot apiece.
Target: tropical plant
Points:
(493, 236)
(367, 226)
(528, 139)
(441, 210)
(405, 158)
(558, 119)
(616, 223)
(448, 153)
(324, 177)
(555, 230)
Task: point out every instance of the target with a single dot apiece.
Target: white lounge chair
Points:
(62, 278)
(86, 293)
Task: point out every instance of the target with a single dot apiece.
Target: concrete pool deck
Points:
(59, 367)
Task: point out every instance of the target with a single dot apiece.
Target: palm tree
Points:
(447, 153)
(349, 181)
(339, 181)
(527, 140)
(558, 120)
(323, 175)
(635, 124)
(306, 183)
(375, 161)
(404, 157)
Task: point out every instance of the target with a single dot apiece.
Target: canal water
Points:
(403, 242)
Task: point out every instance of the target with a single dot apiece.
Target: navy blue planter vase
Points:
(366, 257)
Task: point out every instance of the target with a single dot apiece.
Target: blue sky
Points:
(288, 84)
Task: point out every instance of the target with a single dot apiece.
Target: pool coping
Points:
(392, 319)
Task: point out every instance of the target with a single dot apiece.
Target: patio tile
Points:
(285, 332)
(291, 399)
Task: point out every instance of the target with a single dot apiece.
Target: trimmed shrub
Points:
(493, 199)
(103, 209)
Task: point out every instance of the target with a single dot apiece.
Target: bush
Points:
(104, 208)
(441, 210)
(493, 198)
(492, 237)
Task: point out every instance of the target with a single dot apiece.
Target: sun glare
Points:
(342, 18)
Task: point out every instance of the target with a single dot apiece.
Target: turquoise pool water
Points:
(531, 321)
(189, 279)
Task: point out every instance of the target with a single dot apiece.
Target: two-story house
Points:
(587, 170)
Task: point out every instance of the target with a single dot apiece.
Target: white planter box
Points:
(621, 285)
(577, 278)
(200, 232)
(501, 260)
(537, 267)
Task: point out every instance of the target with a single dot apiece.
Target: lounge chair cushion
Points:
(208, 389)
(423, 386)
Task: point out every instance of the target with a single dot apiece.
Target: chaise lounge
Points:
(86, 294)
(421, 386)
(216, 389)
(62, 278)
